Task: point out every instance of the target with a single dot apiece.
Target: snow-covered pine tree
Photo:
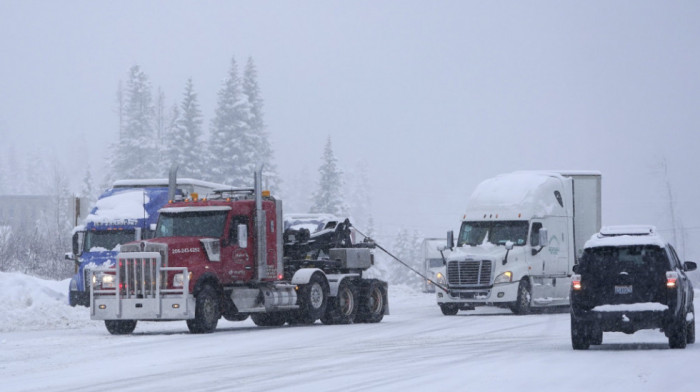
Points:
(135, 154)
(184, 143)
(359, 193)
(225, 158)
(88, 193)
(328, 198)
(256, 144)
(399, 274)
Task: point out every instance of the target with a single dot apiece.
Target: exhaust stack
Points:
(172, 182)
(261, 247)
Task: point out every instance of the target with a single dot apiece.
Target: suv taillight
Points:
(576, 282)
(671, 278)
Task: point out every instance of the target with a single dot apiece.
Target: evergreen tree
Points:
(255, 144)
(329, 196)
(88, 193)
(225, 160)
(184, 146)
(359, 196)
(136, 152)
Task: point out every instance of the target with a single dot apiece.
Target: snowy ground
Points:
(45, 345)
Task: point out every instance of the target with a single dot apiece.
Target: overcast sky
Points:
(434, 96)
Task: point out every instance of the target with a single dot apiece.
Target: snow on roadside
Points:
(28, 303)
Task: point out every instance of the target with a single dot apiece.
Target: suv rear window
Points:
(634, 259)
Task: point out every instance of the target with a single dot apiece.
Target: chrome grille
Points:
(469, 273)
(138, 277)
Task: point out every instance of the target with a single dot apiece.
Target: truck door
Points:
(237, 252)
(555, 257)
(542, 288)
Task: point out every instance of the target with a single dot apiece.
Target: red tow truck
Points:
(227, 255)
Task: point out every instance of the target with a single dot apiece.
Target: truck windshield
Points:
(107, 239)
(497, 233)
(435, 263)
(191, 224)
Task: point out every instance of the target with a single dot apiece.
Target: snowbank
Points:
(28, 303)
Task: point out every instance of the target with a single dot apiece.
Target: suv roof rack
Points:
(612, 231)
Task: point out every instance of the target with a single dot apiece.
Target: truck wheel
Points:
(206, 312)
(343, 308)
(691, 327)
(372, 303)
(236, 317)
(120, 327)
(678, 336)
(580, 335)
(596, 335)
(313, 299)
(449, 309)
(269, 319)
(522, 303)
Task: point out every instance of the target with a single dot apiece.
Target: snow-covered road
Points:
(415, 348)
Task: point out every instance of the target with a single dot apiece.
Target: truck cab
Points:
(517, 242)
(126, 212)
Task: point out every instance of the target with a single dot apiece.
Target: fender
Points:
(210, 278)
(303, 276)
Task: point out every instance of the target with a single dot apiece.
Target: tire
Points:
(449, 309)
(372, 303)
(312, 299)
(596, 335)
(276, 319)
(580, 335)
(342, 309)
(120, 327)
(678, 336)
(690, 336)
(72, 300)
(207, 311)
(236, 317)
(522, 304)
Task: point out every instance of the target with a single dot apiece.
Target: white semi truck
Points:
(520, 237)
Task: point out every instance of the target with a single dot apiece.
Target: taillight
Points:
(671, 278)
(576, 282)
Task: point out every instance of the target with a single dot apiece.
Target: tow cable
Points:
(406, 265)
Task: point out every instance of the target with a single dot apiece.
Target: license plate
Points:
(623, 289)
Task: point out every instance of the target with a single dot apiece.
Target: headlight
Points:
(179, 279)
(106, 281)
(505, 277)
(440, 278)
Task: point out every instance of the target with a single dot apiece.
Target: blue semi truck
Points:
(126, 212)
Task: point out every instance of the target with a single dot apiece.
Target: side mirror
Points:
(576, 269)
(450, 239)
(690, 266)
(509, 245)
(242, 236)
(544, 238)
(152, 227)
(78, 241)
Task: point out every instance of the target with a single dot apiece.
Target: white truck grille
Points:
(469, 273)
